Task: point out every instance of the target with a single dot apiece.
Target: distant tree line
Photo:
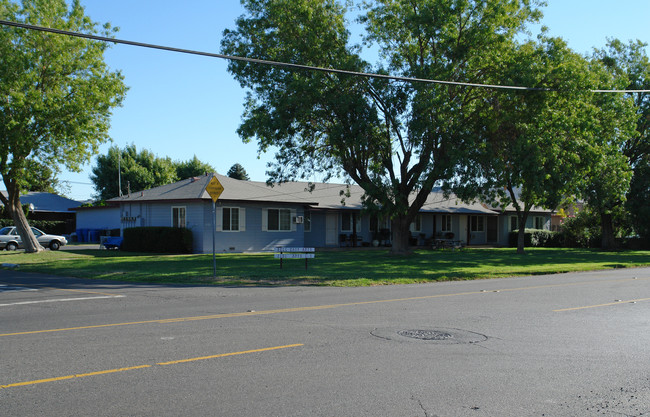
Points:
(140, 170)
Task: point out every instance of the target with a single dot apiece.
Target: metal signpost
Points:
(214, 189)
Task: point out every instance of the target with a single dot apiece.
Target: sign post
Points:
(294, 253)
(214, 189)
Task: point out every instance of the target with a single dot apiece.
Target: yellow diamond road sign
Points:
(214, 188)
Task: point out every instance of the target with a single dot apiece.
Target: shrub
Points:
(536, 238)
(582, 231)
(157, 239)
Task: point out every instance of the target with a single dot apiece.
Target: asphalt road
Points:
(559, 345)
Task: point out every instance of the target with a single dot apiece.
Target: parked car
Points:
(10, 239)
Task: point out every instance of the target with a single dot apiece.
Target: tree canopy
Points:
(533, 149)
(630, 64)
(394, 139)
(192, 168)
(41, 177)
(57, 95)
(139, 170)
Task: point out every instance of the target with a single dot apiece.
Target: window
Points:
(446, 223)
(278, 220)
(348, 220)
(230, 219)
(539, 222)
(377, 225)
(178, 216)
(416, 226)
(514, 223)
(477, 223)
(374, 224)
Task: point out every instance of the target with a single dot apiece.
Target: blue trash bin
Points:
(93, 235)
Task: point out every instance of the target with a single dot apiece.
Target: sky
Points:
(181, 105)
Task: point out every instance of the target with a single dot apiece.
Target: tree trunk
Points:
(521, 235)
(17, 214)
(607, 241)
(521, 240)
(401, 234)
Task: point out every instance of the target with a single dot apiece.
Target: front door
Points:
(492, 229)
(331, 229)
(462, 229)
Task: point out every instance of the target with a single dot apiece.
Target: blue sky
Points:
(181, 105)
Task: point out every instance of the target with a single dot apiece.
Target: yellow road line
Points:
(61, 378)
(131, 368)
(309, 308)
(602, 305)
(81, 291)
(223, 355)
(232, 315)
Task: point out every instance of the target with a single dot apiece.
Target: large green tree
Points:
(630, 64)
(638, 201)
(394, 139)
(130, 169)
(535, 148)
(56, 95)
(135, 170)
(606, 169)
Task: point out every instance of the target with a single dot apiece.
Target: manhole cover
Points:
(426, 334)
(435, 335)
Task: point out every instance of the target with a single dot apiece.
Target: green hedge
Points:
(48, 226)
(157, 239)
(536, 238)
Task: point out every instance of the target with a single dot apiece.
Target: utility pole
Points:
(119, 172)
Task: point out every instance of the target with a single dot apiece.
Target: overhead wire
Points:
(285, 64)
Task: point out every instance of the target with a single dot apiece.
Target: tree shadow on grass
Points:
(349, 268)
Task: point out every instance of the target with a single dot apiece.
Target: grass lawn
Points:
(338, 268)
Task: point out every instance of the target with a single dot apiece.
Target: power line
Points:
(285, 64)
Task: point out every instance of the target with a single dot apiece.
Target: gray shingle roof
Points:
(323, 195)
(329, 196)
(234, 190)
(47, 202)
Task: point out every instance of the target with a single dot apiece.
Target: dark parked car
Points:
(10, 240)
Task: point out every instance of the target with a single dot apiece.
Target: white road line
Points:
(9, 288)
(56, 300)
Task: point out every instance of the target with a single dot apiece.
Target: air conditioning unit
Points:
(299, 219)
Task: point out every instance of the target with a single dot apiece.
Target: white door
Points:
(462, 229)
(331, 229)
